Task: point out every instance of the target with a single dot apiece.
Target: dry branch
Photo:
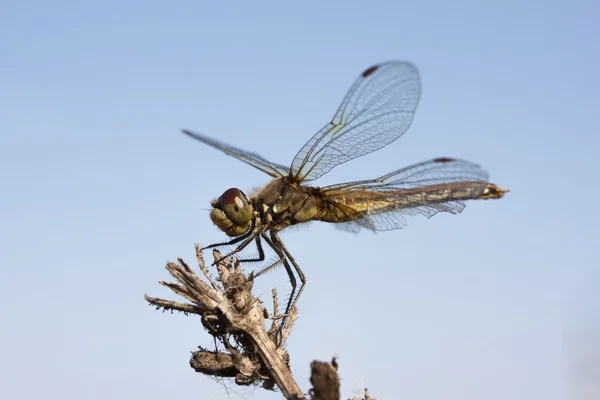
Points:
(235, 318)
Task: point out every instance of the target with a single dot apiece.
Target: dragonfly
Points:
(377, 109)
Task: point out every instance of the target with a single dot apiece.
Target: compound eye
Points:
(235, 206)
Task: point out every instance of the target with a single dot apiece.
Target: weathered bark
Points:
(230, 313)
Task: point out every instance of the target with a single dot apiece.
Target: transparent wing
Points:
(377, 110)
(426, 188)
(275, 170)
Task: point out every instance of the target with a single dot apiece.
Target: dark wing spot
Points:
(443, 159)
(369, 71)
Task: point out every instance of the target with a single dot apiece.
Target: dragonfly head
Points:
(232, 212)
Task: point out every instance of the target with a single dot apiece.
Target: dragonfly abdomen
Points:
(343, 206)
(441, 193)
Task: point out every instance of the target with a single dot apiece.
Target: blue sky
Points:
(100, 189)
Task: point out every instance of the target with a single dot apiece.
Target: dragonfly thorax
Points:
(232, 212)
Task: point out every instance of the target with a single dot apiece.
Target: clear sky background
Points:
(100, 189)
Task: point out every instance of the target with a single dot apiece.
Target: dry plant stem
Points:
(325, 381)
(367, 396)
(229, 313)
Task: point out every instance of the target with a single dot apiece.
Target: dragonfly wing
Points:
(395, 219)
(275, 170)
(381, 204)
(377, 110)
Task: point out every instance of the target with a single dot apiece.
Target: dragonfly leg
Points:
(241, 246)
(301, 275)
(277, 251)
(232, 241)
(275, 245)
(261, 253)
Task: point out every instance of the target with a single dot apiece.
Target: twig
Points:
(233, 316)
(230, 313)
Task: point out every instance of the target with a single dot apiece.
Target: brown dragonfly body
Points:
(377, 110)
(282, 203)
